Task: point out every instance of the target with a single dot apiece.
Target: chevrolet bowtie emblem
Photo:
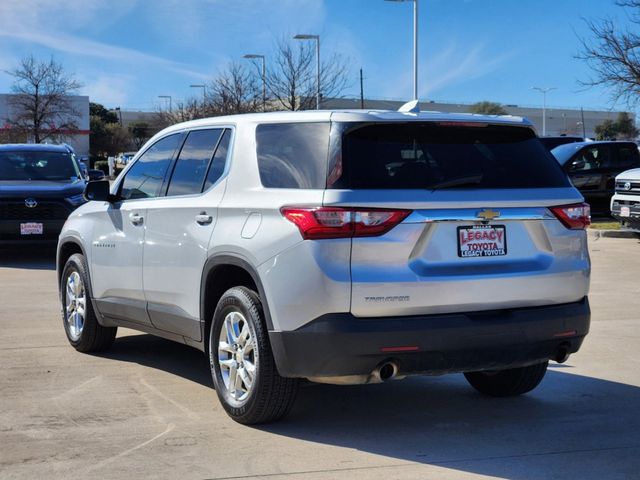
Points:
(487, 215)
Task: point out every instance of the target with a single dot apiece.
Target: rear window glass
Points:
(436, 156)
(293, 155)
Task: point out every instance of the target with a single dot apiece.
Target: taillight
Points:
(343, 222)
(574, 217)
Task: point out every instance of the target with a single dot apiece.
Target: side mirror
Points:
(95, 175)
(577, 165)
(98, 191)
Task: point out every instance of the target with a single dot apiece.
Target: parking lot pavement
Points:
(146, 409)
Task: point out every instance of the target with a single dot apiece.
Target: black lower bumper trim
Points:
(341, 344)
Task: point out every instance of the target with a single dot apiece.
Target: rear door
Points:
(480, 234)
(178, 229)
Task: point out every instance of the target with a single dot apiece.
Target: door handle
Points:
(136, 218)
(204, 219)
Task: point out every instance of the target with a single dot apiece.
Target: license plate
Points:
(625, 212)
(31, 228)
(482, 241)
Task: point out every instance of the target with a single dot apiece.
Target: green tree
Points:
(140, 132)
(98, 110)
(625, 127)
(488, 108)
(606, 130)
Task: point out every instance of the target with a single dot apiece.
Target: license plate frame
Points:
(31, 228)
(490, 234)
(625, 212)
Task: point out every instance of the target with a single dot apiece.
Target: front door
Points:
(119, 233)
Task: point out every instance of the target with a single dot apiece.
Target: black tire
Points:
(93, 337)
(508, 383)
(271, 396)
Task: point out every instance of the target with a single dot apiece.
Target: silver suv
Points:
(340, 247)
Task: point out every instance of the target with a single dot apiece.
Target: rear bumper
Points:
(341, 344)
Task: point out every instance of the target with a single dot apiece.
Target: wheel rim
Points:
(75, 305)
(237, 356)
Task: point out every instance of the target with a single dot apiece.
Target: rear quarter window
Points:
(433, 155)
(293, 155)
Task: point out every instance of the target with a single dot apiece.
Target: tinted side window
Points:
(628, 156)
(293, 155)
(219, 160)
(591, 159)
(146, 176)
(193, 160)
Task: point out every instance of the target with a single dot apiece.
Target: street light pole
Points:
(317, 39)
(544, 91)
(204, 92)
(264, 77)
(415, 44)
(169, 97)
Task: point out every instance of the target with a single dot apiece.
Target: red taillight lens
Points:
(341, 222)
(574, 217)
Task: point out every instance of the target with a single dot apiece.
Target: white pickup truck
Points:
(625, 203)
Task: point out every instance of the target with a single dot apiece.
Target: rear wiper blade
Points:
(457, 182)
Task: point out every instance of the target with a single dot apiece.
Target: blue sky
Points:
(127, 52)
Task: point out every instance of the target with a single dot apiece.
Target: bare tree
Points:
(182, 111)
(235, 90)
(41, 102)
(613, 55)
(291, 76)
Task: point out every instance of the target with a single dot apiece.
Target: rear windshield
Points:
(25, 165)
(437, 156)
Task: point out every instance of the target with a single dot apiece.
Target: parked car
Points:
(123, 158)
(625, 204)
(553, 142)
(593, 166)
(40, 185)
(341, 247)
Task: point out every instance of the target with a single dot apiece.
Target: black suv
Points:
(593, 166)
(40, 185)
(553, 142)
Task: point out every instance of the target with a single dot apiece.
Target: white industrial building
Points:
(77, 138)
(560, 121)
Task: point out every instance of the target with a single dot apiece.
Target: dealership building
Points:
(560, 121)
(78, 138)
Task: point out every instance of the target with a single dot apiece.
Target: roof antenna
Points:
(410, 107)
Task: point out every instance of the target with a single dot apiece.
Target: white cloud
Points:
(454, 66)
(451, 66)
(108, 89)
(45, 23)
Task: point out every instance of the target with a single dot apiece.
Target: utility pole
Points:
(361, 91)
